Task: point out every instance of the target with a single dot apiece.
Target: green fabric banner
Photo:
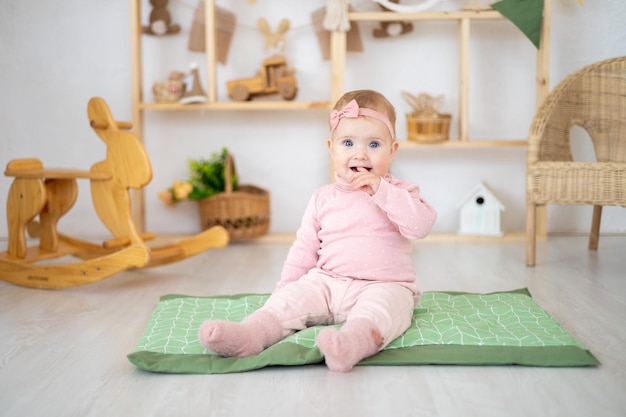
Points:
(527, 15)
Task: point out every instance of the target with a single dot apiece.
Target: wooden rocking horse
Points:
(50, 193)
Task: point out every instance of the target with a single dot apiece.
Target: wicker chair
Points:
(593, 98)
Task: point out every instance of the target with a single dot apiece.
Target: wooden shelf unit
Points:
(338, 50)
(338, 43)
(464, 18)
(140, 104)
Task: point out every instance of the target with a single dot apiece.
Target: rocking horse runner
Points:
(50, 193)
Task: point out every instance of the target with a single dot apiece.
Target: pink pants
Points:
(321, 299)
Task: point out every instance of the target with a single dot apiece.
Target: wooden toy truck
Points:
(273, 77)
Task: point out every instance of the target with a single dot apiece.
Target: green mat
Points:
(502, 328)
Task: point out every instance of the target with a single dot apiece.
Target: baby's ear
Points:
(283, 27)
(394, 147)
(263, 26)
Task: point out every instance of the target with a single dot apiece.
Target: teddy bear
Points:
(391, 29)
(160, 20)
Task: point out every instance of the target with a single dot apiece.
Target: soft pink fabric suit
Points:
(352, 259)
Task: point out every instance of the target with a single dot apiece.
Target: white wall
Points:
(56, 55)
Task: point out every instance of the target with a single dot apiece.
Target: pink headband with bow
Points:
(352, 110)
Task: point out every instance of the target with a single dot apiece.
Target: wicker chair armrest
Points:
(595, 183)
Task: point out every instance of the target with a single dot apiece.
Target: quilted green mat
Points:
(502, 328)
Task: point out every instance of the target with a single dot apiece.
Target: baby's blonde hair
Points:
(369, 99)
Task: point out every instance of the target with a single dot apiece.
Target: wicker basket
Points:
(244, 213)
(428, 127)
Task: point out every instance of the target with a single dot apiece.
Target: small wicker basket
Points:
(428, 127)
(425, 123)
(244, 213)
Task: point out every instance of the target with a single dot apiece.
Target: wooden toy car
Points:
(274, 77)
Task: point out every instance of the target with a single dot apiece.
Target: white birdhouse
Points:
(480, 213)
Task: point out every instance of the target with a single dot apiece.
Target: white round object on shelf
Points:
(408, 8)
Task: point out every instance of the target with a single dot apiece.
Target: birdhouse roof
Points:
(478, 189)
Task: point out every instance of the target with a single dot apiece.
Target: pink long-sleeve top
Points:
(349, 233)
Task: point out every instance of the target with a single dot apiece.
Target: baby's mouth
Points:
(360, 169)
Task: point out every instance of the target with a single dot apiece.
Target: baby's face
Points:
(359, 144)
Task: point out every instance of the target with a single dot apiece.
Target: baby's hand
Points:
(365, 180)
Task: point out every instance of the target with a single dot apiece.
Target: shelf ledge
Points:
(234, 105)
(442, 15)
(501, 143)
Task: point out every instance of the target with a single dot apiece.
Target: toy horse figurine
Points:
(50, 193)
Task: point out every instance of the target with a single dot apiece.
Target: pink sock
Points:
(248, 337)
(344, 348)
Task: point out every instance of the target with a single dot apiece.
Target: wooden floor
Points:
(63, 353)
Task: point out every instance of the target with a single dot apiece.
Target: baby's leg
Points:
(287, 310)
(377, 314)
(356, 340)
(248, 337)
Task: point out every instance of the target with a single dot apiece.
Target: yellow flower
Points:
(167, 197)
(181, 189)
